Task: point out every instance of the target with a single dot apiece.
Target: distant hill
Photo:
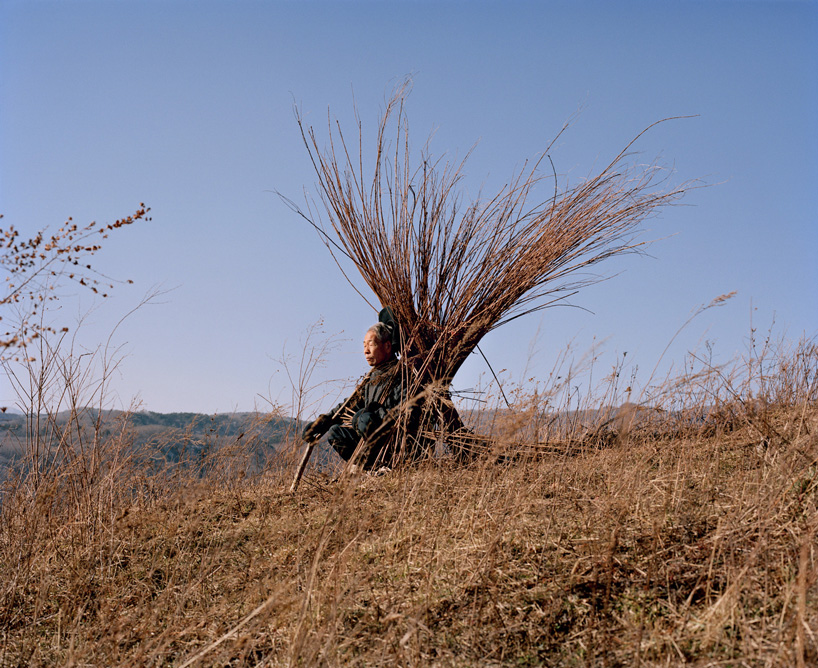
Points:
(191, 438)
(172, 437)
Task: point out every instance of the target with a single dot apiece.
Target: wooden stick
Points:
(302, 466)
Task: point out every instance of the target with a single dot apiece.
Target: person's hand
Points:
(367, 419)
(317, 428)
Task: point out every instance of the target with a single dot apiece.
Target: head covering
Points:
(387, 317)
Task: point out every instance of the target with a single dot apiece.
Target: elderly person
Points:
(361, 416)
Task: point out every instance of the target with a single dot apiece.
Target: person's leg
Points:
(381, 452)
(343, 440)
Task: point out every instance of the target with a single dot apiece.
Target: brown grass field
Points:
(680, 536)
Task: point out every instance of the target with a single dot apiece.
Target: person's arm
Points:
(320, 426)
(317, 428)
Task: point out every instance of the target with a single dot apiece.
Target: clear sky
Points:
(188, 107)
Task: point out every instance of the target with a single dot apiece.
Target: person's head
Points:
(377, 344)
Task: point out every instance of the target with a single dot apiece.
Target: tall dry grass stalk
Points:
(684, 535)
(452, 271)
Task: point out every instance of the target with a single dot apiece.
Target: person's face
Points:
(376, 352)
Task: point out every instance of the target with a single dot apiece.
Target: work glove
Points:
(317, 428)
(367, 419)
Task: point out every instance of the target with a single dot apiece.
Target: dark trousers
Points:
(344, 440)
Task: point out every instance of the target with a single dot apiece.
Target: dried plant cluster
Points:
(684, 533)
(33, 268)
(453, 271)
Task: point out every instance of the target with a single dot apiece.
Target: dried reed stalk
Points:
(453, 272)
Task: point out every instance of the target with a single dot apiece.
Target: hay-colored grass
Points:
(672, 542)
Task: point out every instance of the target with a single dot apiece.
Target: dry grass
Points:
(690, 538)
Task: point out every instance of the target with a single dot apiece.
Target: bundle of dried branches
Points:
(453, 272)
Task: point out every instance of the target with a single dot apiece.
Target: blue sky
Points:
(188, 107)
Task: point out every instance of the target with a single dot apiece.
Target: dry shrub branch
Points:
(34, 269)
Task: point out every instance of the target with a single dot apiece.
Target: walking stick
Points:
(302, 466)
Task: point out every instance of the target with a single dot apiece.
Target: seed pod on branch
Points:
(38, 266)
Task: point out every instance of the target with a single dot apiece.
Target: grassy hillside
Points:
(654, 542)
